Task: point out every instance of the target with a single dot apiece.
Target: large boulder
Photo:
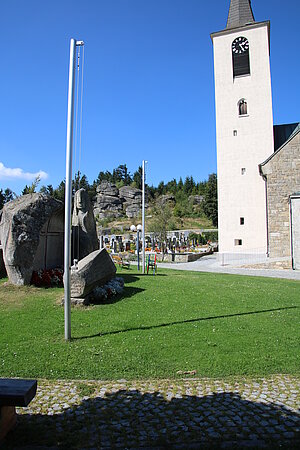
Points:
(107, 188)
(21, 224)
(132, 210)
(108, 202)
(132, 199)
(105, 201)
(129, 194)
(94, 270)
(113, 202)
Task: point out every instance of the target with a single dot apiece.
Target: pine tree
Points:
(210, 204)
(32, 188)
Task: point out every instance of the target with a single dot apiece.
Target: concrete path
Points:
(161, 414)
(210, 264)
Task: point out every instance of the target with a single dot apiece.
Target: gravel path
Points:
(160, 414)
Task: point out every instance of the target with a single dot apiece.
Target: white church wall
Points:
(242, 195)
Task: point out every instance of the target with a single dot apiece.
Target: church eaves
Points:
(240, 14)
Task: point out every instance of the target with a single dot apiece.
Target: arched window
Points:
(242, 105)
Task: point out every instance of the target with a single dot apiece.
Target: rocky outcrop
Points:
(94, 270)
(167, 199)
(21, 224)
(108, 202)
(113, 202)
(196, 199)
(132, 200)
(107, 188)
(130, 194)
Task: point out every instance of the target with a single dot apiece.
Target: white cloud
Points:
(7, 173)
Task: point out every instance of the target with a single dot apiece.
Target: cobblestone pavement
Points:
(159, 414)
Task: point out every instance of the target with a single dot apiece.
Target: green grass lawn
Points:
(218, 325)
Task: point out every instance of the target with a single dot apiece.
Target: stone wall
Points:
(282, 172)
(182, 257)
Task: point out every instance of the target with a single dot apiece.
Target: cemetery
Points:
(179, 246)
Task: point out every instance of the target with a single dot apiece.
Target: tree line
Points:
(120, 176)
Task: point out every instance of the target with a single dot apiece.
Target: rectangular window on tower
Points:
(238, 242)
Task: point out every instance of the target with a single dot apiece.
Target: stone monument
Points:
(84, 233)
(31, 236)
(92, 271)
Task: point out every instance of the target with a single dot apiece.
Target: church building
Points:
(258, 164)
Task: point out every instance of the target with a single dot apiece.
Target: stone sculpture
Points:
(24, 230)
(84, 233)
(92, 271)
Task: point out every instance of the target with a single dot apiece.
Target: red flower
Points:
(47, 278)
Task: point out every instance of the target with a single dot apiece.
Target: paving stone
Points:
(151, 414)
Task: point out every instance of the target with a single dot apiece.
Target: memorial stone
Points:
(84, 234)
(23, 222)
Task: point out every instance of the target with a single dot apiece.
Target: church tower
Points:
(244, 128)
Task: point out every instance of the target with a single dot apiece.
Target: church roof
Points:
(282, 133)
(294, 130)
(240, 14)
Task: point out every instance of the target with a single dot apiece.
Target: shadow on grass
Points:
(180, 322)
(133, 419)
(128, 292)
(129, 278)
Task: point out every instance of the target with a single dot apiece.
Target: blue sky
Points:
(148, 84)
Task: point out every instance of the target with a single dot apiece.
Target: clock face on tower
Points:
(240, 45)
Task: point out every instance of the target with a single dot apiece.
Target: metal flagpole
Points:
(138, 248)
(68, 189)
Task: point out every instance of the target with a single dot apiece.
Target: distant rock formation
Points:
(167, 199)
(196, 199)
(114, 202)
(132, 200)
(108, 202)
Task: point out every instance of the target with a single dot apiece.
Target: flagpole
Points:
(68, 189)
(143, 217)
